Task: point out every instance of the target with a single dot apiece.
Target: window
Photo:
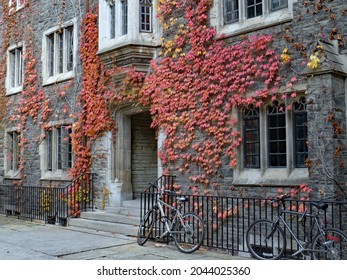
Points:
(13, 152)
(272, 135)
(278, 4)
(300, 124)
(277, 135)
(112, 20)
(15, 67)
(241, 10)
(252, 137)
(59, 52)
(59, 148)
(254, 8)
(231, 11)
(146, 9)
(124, 22)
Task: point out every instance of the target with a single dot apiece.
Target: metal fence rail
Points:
(50, 204)
(228, 218)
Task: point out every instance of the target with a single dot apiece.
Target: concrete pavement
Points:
(25, 240)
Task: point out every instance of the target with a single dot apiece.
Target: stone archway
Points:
(135, 154)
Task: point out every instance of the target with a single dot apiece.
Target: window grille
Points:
(300, 124)
(277, 135)
(251, 138)
(146, 10)
(231, 11)
(254, 8)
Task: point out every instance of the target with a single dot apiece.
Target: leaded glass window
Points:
(146, 10)
(251, 138)
(278, 4)
(231, 11)
(277, 135)
(300, 124)
(254, 8)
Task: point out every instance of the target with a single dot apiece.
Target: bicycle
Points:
(266, 239)
(187, 230)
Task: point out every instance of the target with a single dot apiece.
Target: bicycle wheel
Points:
(331, 244)
(265, 240)
(189, 233)
(146, 227)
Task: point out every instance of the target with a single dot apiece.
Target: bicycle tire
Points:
(145, 227)
(332, 243)
(188, 237)
(265, 240)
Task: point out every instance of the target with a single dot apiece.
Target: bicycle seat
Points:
(320, 206)
(181, 199)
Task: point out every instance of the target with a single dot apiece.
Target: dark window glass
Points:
(49, 136)
(254, 8)
(69, 48)
(60, 52)
(251, 138)
(278, 4)
(112, 20)
(64, 146)
(124, 17)
(146, 9)
(277, 135)
(13, 154)
(50, 55)
(300, 124)
(231, 11)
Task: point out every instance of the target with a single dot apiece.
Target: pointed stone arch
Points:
(127, 169)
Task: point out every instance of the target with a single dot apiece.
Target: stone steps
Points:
(123, 219)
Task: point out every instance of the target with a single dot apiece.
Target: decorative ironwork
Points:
(227, 218)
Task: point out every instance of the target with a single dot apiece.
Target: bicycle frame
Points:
(177, 217)
(316, 221)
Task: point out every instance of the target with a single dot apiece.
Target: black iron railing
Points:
(50, 204)
(227, 219)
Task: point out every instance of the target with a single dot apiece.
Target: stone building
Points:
(41, 65)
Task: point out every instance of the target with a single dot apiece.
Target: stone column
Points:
(326, 105)
(123, 155)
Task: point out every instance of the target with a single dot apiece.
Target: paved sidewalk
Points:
(25, 240)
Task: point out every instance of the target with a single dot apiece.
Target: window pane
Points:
(69, 48)
(231, 11)
(112, 20)
(64, 146)
(12, 67)
(146, 15)
(254, 8)
(60, 52)
(49, 136)
(50, 55)
(278, 4)
(124, 17)
(277, 135)
(251, 138)
(13, 151)
(19, 66)
(300, 123)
